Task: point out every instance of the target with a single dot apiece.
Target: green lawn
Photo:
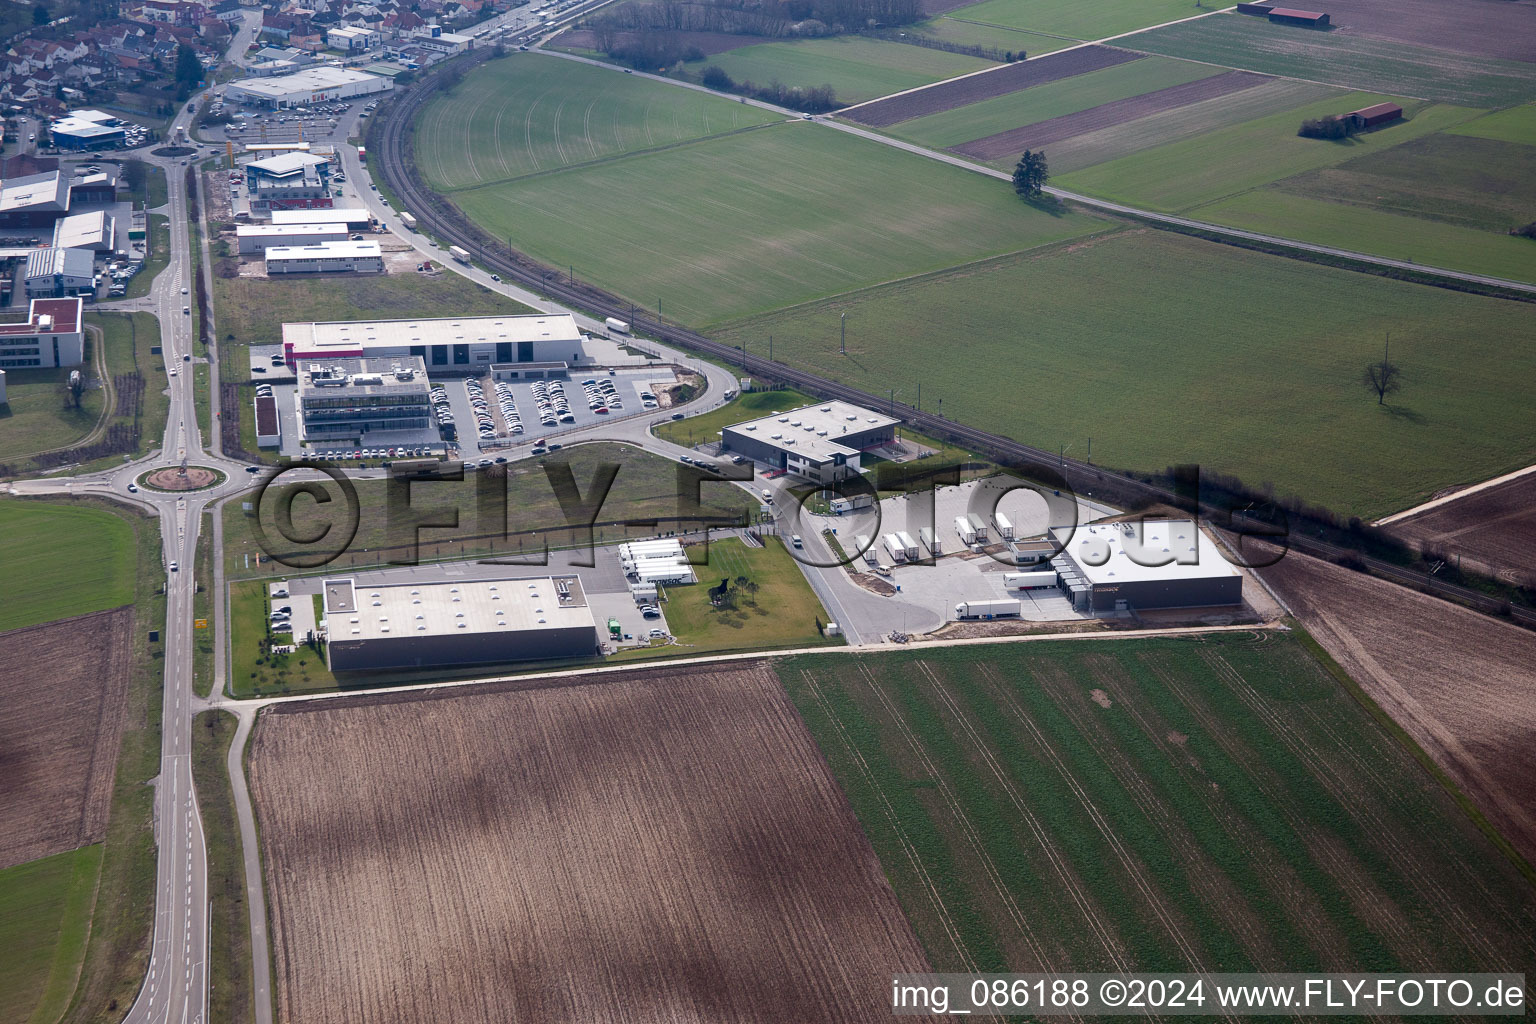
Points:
(783, 612)
(130, 340)
(751, 222)
(1053, 99)
(1188, 122)
(1268, 351)
(1181, 175)
(1338, 58)
(1175, 804)
(1517, 124)
(963, 32)
(58, 561)
(645, 488)
(254, 670)
(45, 915)
(531, 112)
(1077, 20)
(159, 256)
(856, 67)
(696, 429)
(230, 998)
(38, 416)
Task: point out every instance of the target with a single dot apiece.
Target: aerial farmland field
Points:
(529, 113)
(1349, 61)
(663, 845)
(1210, 803)
(961, 32)
(1516, 124)
(1078, 20)
(762, 219)
(1494, 528)
(40, 572)
(857, 68)
(1273, 379)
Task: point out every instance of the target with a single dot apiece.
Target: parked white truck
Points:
(930, 541)
(1028, 580)
(616, 325)
(966, 531)
(459, 253)
(894, 547)
(979, 525)
(408, 219)
(849, 504)
(1004, 526)
(909, 546)
(862, 543)
(996, 609)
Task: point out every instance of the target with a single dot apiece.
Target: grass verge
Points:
(231, 995)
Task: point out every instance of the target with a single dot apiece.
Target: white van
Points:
(796, 541)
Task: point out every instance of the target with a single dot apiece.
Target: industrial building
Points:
(1138, 566)
(1377, 114)
(34, 200)
(258, 238)
(822, 443)
(289, 180)
(50, 336)
(448, 344)
(84, 130)
(56, 273)
(1291, 16)
(96, 231)
(352, 39)
(326, 258)
(269, 428)
(300, 89)
(347, 398)
(354, 217)
(649, 562)
(465, 622)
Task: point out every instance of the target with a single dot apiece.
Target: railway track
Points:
(389, 141)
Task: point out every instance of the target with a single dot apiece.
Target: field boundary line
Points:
(1005, 28)
(1455, 495)
(563, 676)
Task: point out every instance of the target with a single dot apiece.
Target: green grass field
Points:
(857, 68)
(1181, 175)
(1077, 20)
(229, 973)
(159, 256)
(752, 222)
(1244, 363)
(58, 561)
(1169, 126)
(782, 613)
(1517, 124)
(1216, 803)
(45, 914)
(645, 488)
(37, 415)
(1337, 58)
(696, 429)
(1053, 99)
(964, 32)
(530, 113)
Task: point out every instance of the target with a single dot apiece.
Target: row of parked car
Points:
(553, 406)
(354, 454)
(485, 425)
(601, 396)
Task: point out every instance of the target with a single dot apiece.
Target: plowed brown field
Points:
(1489, 28)
(664, 846)
(1462, 684)
(998, 82)
(63, 688)
(1493, 530)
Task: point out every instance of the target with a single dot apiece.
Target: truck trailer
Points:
(408, 219)
(966, 531)
(841, 505)
(459, 253)
(897, 550)
(997, 609)
(909, 545)
(930, 541)
(870, 555)
(1029, 580)
(616, 325)
(1004, 526)
(979, 525)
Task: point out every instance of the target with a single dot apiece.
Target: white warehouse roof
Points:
(356, 611)
(1157, 549)
(327, 250)
(284, 164)
(813, 430)
(317, 79)
(287, 230)
(335, 215)
(93, 230)
(341, 337)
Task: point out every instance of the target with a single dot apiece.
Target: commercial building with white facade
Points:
(258, 238)
(82, 130)
(50, 336)
(446, 344)
(1136, 566)
(354, 217)
(347, 398)
(822, 443)
(326, 258)
(311, 85)
(96, 230)
(55, 273)
(466, 622)
(352, 39)
(288, 180)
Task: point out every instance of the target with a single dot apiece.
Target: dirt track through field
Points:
(1462, 684)
(1001, 81)
(663, 846)
(63, 691)
(1107, 115)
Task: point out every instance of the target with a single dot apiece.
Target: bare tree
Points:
(1384, 378)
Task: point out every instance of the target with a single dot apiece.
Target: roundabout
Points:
(181, 478)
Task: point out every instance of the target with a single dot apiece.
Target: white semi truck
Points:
(995, 609)
(979, 525)
(1028, 580)
(862, 543)
(966, 531)
(930, 541)
(896, 549)
(1004, 526)
(909, 546)
(616, 325)
(408, 219)
(459, 253)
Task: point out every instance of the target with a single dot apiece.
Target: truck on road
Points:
(996, 609)
(616, 325)
(459, 253)
(408, 219)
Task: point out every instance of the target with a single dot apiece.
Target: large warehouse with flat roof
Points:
(1155, 563)
(822, 442)
(312, 85)
(465, 622)
(446, 345)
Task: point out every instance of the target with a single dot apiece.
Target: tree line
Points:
(775, 18)
(816, 99)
